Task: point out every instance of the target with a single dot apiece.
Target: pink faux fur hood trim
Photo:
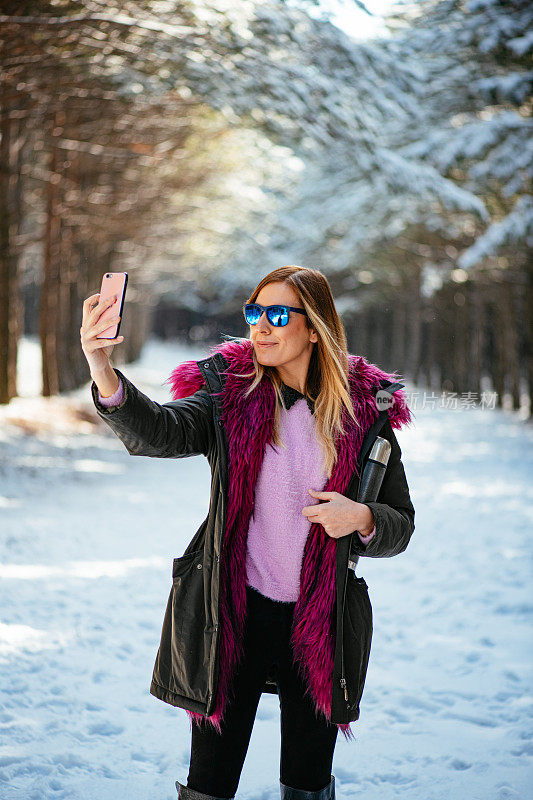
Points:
(248, 425)
(186, 378)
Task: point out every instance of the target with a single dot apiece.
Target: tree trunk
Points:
(10, 212)
(475, 344)
(498, 347)
(444, 341)
(510, 311)
(412, 361)
(399, 327)
(49, 308)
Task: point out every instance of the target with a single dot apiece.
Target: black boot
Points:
(327, 793)
(184, 793)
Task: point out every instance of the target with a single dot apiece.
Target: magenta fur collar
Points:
(248, 425)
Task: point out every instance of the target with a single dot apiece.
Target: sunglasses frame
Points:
(267, 308)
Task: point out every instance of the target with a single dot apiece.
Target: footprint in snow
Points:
(105, 728)
(460, 765)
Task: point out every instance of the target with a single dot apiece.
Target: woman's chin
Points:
(265, 355)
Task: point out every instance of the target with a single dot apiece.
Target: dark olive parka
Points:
(185, 673)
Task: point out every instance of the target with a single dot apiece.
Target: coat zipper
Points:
(223, 473)
(342, 678)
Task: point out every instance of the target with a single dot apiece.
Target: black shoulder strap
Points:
(210, 369)
(390, 387)
(219, 365)
(373, 431)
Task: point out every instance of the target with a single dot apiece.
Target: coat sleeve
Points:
(393, 510)
(177, 429)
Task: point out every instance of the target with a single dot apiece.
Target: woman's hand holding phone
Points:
(98, 351)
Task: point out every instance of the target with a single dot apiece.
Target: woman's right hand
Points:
(97, 351)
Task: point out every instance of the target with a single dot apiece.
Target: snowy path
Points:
(88, 534)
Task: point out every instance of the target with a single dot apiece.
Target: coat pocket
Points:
(188, 591)
(184, 648)
(358, 628)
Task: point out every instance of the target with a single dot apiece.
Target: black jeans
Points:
(307, 741)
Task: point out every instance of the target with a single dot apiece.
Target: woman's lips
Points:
(266, 344)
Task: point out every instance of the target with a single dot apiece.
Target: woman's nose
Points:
(263, 321)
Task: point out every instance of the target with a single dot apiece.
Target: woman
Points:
(286, 419)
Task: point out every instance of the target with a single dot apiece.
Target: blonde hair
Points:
(327, 376)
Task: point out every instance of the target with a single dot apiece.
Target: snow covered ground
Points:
(88, 534)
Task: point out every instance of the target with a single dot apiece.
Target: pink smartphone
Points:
(113, 283)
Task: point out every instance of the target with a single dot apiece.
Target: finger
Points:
(98, 343)
(310, 511)
(323, 495)
(101, 306)
(87, 300)
(91, 312)
(88, 305)
(96, 313)
(103, 326)
(94, 303)
(92, 330)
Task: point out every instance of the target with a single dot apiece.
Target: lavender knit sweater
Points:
(278, 530)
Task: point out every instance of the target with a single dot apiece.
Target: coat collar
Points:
(186, 378)
(248, 424)
(291, 395)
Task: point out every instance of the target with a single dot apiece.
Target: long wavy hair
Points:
(327, 376)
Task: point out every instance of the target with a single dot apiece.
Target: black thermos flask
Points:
(374, 471)
(372, 478)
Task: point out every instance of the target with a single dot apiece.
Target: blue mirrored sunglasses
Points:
(276, 315)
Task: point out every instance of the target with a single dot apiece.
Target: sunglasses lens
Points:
(252, 313)
(278, 315)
